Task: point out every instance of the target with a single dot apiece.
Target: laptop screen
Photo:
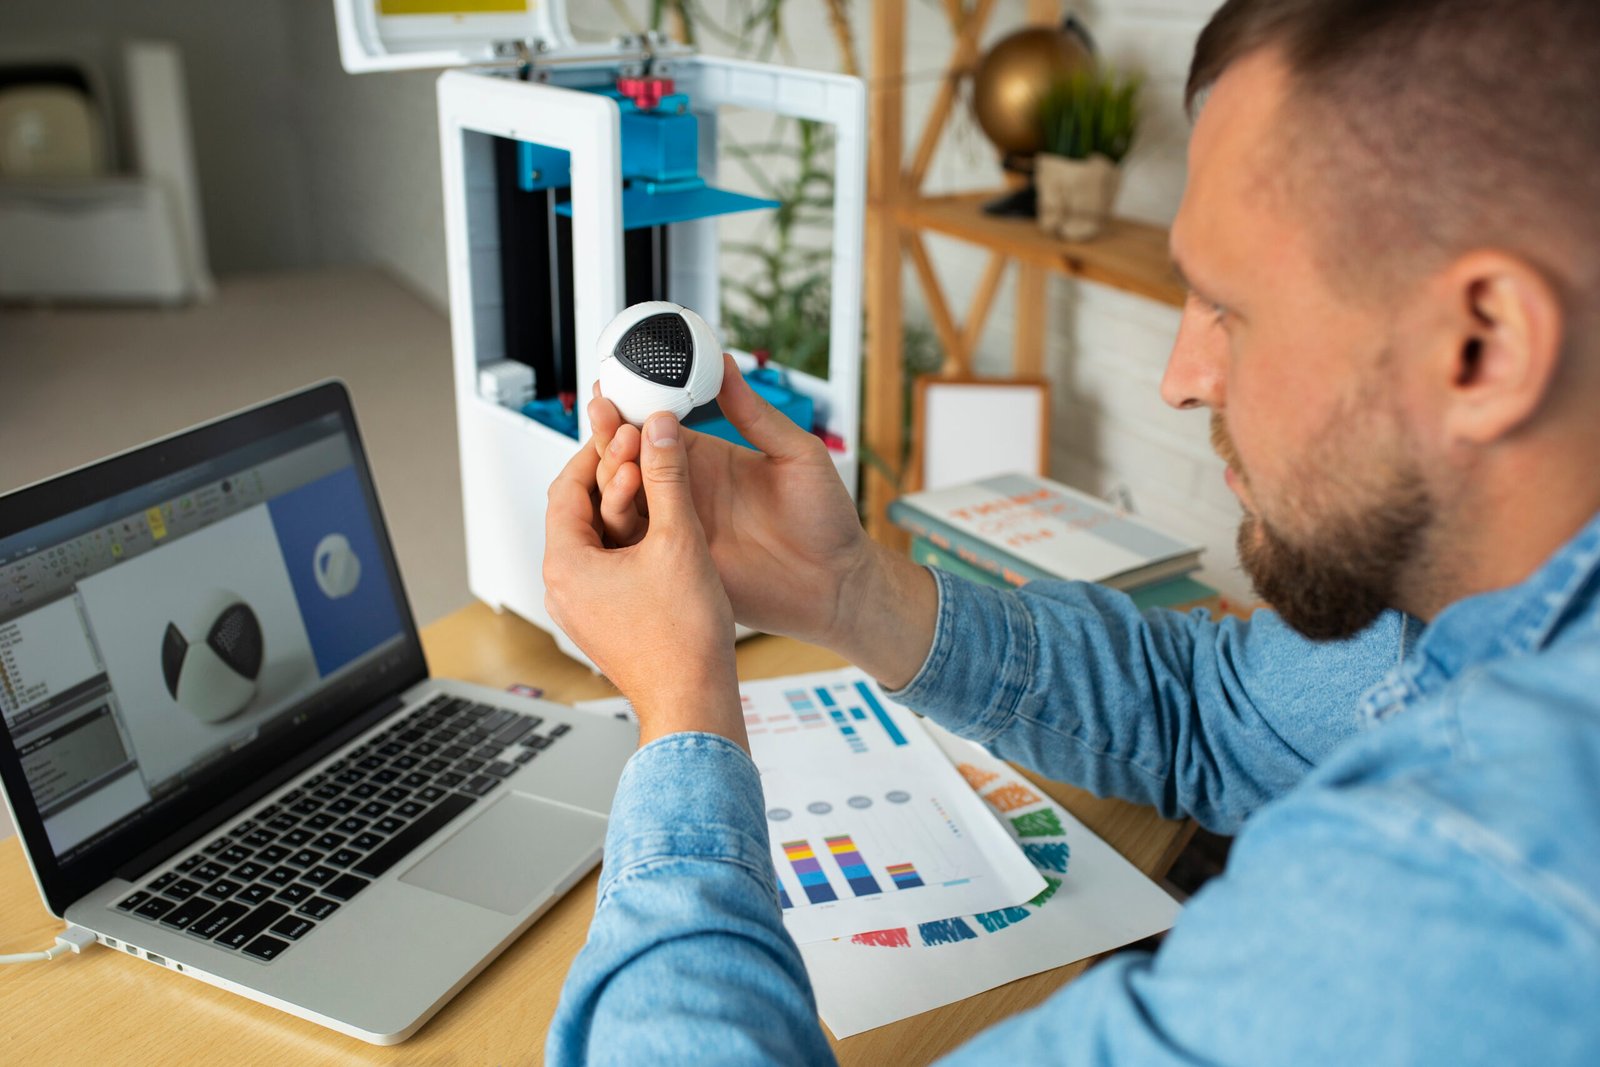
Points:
(189, 632)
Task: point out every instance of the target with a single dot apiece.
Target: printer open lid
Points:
(419, 34)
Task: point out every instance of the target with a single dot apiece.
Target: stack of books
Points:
(1013, 528)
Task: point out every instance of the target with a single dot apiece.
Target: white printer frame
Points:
(507, 459)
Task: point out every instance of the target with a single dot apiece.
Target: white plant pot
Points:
(1075, 195)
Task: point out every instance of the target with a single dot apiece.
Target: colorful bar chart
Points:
(852, 866)
(850, 784)
(809, 871)
(904, 875)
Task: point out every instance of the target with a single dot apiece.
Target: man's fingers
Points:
(761, 424)
(571, 521)
(624, 448)
(604, 421)
(619, 507)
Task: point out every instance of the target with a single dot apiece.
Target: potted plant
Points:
(1088, 120)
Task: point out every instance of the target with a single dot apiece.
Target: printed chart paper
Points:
(870, 825)
(1093, 901)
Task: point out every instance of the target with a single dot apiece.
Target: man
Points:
(1391, 232)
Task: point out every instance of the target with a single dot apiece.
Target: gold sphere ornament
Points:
(1012, 79)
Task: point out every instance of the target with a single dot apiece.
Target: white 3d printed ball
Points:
(336, 566)
(212, 664)
(659, 356)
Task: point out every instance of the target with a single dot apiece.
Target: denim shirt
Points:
(1416, 877)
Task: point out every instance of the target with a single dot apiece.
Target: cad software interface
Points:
(148, 641)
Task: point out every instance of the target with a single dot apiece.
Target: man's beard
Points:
(1334, 582)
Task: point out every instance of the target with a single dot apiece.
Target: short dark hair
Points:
(1439, 125)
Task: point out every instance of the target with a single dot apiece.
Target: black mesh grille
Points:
(236, 637)
(659, 349)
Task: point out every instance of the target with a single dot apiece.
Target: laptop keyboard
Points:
(269, 881)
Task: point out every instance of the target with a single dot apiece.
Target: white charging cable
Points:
(73, 939)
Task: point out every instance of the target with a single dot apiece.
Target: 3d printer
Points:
(579, 178)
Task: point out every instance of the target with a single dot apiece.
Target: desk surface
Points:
(107, 1007)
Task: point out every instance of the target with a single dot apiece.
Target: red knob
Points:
(645, 93)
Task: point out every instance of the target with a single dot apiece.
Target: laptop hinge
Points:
(140, 865)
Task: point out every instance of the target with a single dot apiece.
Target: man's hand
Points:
(783, 533)
(652, 614)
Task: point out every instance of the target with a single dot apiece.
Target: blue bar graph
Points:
(858, 744)
(883, 716)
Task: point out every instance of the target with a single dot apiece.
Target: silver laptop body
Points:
(221, 747)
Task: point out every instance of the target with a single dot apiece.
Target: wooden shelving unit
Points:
(1131, 256)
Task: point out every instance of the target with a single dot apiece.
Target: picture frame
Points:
(953, 428)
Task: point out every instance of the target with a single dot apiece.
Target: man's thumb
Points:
(664, 464)
(762, 425)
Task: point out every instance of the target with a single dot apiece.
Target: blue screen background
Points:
(344, 629)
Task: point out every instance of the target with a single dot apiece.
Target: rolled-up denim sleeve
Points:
(687, 959)
(1206, 718)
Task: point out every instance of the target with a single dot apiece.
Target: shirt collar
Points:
(1502, 623)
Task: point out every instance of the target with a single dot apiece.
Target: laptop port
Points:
(153, 958)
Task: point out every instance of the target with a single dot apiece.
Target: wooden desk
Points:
(105, 1007)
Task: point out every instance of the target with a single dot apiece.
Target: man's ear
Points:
(1501, 347)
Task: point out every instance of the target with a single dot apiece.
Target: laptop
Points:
(222, 749)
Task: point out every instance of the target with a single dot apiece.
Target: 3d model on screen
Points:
(336, 566)
(659, 356)
(211, 669)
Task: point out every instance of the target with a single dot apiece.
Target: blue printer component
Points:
(558, 413)
(542, 167)
(660, 161)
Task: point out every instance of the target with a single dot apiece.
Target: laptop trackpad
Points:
(512, 854)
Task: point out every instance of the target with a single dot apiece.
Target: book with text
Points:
(1021, 527)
